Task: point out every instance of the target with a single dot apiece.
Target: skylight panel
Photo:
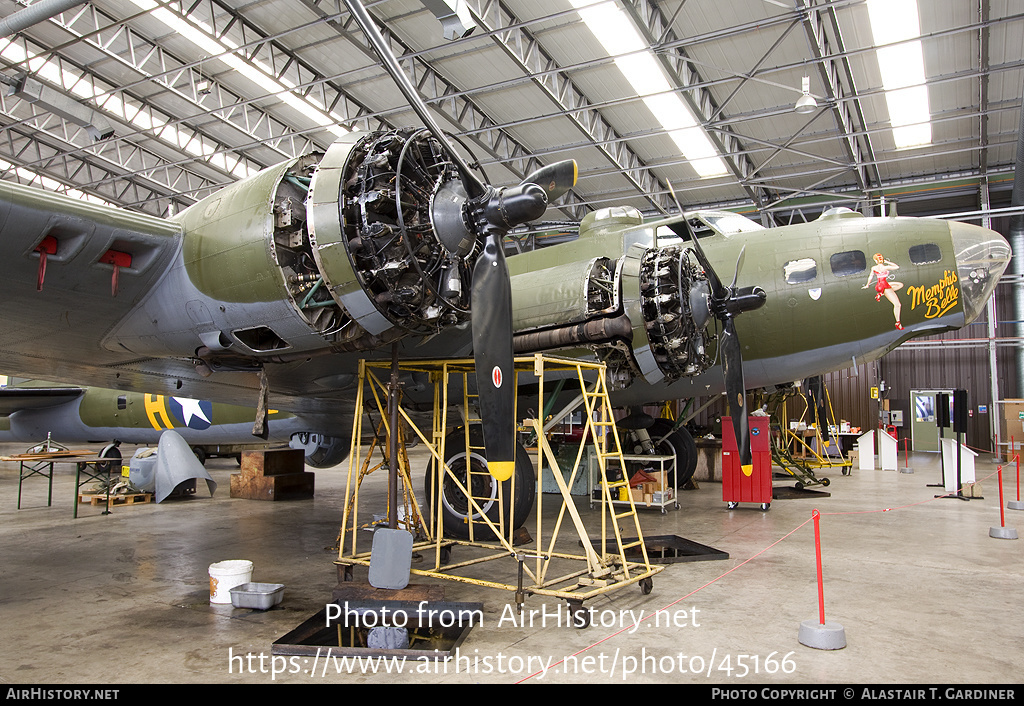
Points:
(902, 69)
(202, 36)
(142, 119)
(621, 40)
(34, 179)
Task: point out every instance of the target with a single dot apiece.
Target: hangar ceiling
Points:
(194, 95)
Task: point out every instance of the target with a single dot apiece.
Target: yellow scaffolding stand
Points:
(802, 468)
(604, 570)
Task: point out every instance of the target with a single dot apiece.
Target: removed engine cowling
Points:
(644, 316)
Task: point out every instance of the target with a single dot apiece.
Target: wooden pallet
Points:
(115, 500)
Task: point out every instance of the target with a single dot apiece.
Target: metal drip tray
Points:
(670, 549)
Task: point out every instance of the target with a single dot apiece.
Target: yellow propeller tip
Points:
(501, 470)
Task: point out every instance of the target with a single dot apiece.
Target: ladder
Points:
(599, 425)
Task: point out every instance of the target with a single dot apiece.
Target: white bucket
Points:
(225, 575)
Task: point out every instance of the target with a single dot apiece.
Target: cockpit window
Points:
(707, 223)
(848, 263)
(729, 223)
(922, 254)
(800, 271)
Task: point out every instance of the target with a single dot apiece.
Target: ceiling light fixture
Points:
(223, 49)
(896, 28)
(638, 64)
(806, 102)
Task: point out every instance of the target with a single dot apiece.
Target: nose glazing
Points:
(982, 256)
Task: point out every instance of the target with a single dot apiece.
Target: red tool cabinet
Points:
(737, 487)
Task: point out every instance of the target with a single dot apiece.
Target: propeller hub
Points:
(447, 217)
(505, 209)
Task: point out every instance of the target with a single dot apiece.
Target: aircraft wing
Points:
(69, 271)
(15, 399)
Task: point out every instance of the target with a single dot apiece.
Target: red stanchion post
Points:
(1016, 504)
(1002, 531)
(906, 457)
(1002, 515)
(817, 559)
(817, 633)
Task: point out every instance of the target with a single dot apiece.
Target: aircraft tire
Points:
(678, 443)
(455, 507)
(110, 451)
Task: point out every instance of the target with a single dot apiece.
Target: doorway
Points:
(924, 431)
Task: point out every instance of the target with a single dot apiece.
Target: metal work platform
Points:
(790, 450)
(609, 562)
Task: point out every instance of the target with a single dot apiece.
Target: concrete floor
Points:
(922, 592)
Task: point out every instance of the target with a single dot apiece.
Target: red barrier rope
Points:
(815, 518)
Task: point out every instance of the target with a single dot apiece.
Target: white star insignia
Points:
(190, 408)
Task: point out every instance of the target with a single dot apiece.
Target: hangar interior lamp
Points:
(806, 102)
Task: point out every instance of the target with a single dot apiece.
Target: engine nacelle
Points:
(644, 316)
(327, 252)
(372, 207)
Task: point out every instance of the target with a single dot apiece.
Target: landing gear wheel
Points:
(646, 586)
(455, 507)
(676, 443)
(111, 452)
(578, 615)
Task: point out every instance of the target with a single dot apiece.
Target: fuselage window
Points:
(800, 271)
(922, 254)
(849, 263)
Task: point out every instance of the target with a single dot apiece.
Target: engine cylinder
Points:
(370, 215)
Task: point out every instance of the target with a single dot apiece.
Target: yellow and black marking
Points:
(157, 412)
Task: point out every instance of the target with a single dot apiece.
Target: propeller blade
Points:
(739, 264)
(491, 301)
(726, 304)
(736, 391)
(555, 179)
(683, 230)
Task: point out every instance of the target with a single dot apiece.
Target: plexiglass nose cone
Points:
(981, 257)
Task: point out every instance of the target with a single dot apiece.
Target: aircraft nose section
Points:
(981, 257)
